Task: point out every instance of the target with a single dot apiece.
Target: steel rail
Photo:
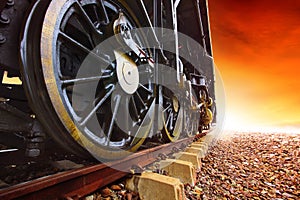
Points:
(78, 183)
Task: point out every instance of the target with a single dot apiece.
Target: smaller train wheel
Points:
(172, 116)
(88, 99)
(191, 122)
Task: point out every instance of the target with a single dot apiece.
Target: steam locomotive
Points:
(104, 77)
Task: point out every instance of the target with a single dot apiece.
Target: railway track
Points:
(77, 183)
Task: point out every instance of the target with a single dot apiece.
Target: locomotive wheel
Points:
(191, 120)
(190, 123)
(172, 116)
(52, 51)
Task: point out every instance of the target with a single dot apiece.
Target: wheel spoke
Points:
(135, 107)
(115, 111)
(96, 14)
(169, 106)
(93, 111)
(66, 38)
(103, 9)
(84, 80)
(142, 126)
(140, 98)
(170, 119)
(74, 43)
(144, 87)
(88, 23)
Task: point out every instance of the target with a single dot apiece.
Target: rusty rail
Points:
(77, 183)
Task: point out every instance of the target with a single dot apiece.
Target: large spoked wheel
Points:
(172, 116)
(83, 94)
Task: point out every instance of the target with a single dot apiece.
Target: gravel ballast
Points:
(250, 166)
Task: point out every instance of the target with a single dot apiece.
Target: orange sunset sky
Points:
(256, 46)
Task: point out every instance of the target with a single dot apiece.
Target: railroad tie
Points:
(156, 186)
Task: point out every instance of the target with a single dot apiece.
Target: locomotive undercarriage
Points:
(44, 43)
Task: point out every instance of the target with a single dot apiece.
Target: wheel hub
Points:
(127, 73)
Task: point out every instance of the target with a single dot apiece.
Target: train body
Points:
(103, 77)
